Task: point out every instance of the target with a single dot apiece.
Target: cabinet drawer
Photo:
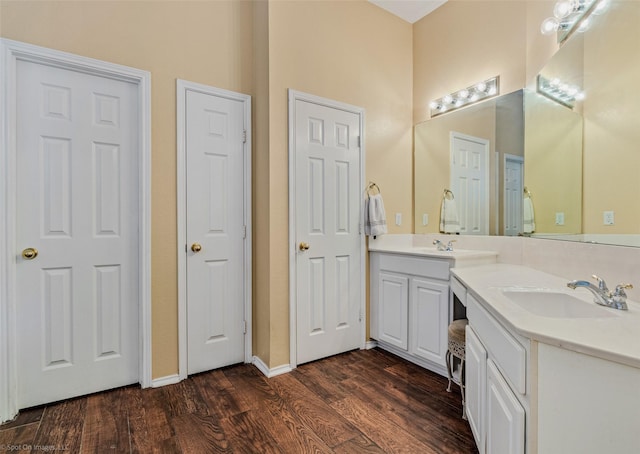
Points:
(417, 266)
(459, 290)
(506, 351)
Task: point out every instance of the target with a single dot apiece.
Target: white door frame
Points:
(300, 96)
(485, 143)
(11, 53)
(182, 86)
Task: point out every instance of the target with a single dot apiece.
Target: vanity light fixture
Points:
(571, 15)
(558, 91)
(465, 97)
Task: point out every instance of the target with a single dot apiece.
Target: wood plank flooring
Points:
(366, 401)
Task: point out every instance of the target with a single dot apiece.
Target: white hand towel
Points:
(375, 217)
(529, 224)
(449, 221)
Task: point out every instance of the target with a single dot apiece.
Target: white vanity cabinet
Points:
(410, 307)
(496, 383)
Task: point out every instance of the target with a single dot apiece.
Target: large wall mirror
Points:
(578, 166)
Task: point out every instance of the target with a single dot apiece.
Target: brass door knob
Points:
(30, 253)
(304, 246)
(195, 247)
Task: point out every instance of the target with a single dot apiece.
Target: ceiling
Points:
(409, 10)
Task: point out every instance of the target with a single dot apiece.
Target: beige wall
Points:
(465, 41)
(353, 52)
(205, 42)
(611, 112)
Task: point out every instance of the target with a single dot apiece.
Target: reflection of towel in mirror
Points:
(375, 220)
(529, 224)
(449, 222)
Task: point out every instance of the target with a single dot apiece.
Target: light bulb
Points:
(433, 105)
(474, 97)
(549, 25)
(459, 102)
(447, 99)
(563, 9)
(572, 90)
(579, 96)
(555, 82)
(481, 87)
(464, 94)
(492, 91)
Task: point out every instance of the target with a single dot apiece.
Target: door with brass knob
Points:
(304, 246)
(30, 253)
(196, 247)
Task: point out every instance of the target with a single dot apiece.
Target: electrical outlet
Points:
(425, 219)
(608, 217)
(560, 218)
(398, 218)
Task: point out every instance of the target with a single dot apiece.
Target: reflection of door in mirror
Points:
(513, 194)
(470, 182)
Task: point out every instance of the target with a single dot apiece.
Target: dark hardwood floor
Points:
(364, 401)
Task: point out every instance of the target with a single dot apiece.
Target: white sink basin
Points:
(554, 304)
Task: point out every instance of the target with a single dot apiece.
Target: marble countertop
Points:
(615, 337)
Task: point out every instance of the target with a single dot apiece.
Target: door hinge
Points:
(244, 231)
(359, 228)
(244, 327)
(186, 248)
(244, 136)
(359, 144)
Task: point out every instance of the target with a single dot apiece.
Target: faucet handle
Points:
(602, 285)
(620, 289)
(450, 245)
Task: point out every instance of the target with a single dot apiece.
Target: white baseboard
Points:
(370, 344)
(262, 367)
(164, 381)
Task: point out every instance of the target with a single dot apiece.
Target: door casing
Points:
(300, 96)
(182, 86)
(11, 53)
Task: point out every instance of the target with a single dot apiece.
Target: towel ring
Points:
(448, 193)
(372, 186)
(527, 192)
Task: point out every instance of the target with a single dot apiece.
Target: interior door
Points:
(77, 227)
(328, 241)
(513, 195)
(470, 182)
(215, 231)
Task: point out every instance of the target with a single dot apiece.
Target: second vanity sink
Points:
(554, 304)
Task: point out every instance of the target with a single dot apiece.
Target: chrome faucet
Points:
(616, 299)
(441, 247)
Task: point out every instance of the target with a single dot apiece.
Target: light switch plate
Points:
(398, 218)
(560, 218)
(425, 219)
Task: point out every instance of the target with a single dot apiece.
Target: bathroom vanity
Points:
(411, 301)
(547, 369)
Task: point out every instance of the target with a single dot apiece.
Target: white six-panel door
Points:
(77, 205)
(215, 230)
(470, 182)
(328, 241)
(513, 195)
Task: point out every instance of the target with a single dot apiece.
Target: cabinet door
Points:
(393, 304)
(429, 308)
(476, 383)
(505, 415)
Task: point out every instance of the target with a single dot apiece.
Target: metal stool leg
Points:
(462, 388)
(449, 370)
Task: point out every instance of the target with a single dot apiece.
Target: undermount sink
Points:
(554, 304)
